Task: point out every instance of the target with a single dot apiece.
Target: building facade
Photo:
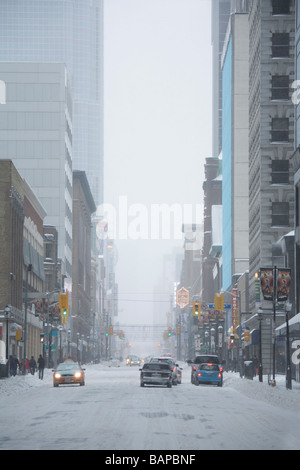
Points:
(271, 135)
(295, 161)
(83, 207)
(235, 159)
(22, 270)
(219, 21)
(68, 32)
(36, 133)
(212, 188)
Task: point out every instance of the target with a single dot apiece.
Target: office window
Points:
(280, 172)
(280, 214)
(280, 45)
(280, 130)
(280, 7)
(280, 87)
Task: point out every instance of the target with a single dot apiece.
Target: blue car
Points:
(209, 373)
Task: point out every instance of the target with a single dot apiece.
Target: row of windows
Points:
(280, 90)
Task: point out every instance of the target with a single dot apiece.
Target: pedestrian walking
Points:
(32, 365)
(41, 366)
(13, 365)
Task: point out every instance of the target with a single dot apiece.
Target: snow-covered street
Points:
(112, 412)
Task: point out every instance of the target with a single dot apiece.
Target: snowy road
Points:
(112, 412)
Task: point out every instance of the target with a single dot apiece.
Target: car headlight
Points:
(77, 375)
(57, 375)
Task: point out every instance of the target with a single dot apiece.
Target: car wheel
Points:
(220, 384)
(55, 385)
(169, 385)
(196, 382)
(142, 384)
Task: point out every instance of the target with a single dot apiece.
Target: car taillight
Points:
(221, 369)
(194, 368)
(219, 375)
(174, 369)
(199, 374)
(209, 364)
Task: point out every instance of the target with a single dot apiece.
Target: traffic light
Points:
(247, 336)
(64, 306)
(196, 309)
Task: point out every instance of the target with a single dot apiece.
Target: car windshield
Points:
(68, 366)
(209, 367)
(162, 359)
(207, 359)
(156, 366)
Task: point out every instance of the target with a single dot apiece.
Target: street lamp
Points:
(7, 312)
(260, 370)
(288, 308)
(78, 334)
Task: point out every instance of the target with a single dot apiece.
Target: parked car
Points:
(156, 373)
(208, 373)
(176, 371)
(202, 359)
(68, 373)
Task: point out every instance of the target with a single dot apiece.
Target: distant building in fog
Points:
(69, 32)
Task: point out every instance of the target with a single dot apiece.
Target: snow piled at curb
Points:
(20, 383)
(277, 396)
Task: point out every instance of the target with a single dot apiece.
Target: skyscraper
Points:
(35, 133)
(271, 132)
(220, 16)
(69, 32)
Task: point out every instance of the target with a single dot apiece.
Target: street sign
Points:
(183, 297)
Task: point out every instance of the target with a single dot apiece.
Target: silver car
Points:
(156, 373)
(173, 365)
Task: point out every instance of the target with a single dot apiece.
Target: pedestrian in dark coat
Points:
(41, 366)
(32, 365)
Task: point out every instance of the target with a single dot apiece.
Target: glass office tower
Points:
(70, 32)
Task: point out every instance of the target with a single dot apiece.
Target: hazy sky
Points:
(157, 103)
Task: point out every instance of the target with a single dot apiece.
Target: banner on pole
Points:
(267, 283)
(283, 284)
